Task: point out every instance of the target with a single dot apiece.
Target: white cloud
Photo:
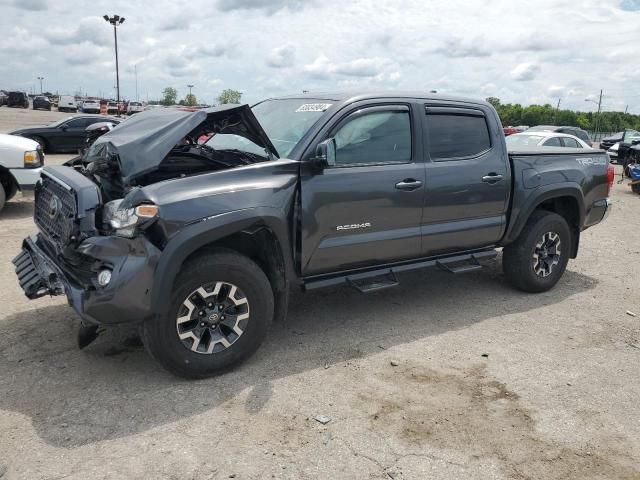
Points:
(282, 57)
(520, 55)
(525, 72)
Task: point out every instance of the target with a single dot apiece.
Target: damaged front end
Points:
(94, 244)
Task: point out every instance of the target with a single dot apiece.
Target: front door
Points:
(71, 135)
(366, 209)
(468, 179)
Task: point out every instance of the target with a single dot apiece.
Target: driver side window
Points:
(374, 138)
(76, 123)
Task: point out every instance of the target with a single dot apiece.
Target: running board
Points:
(385, 277)
(368, 285)
(465, 266)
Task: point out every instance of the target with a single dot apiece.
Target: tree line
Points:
(513, 114)
(170, 97)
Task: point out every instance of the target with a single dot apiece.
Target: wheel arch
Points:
(567, 201)
(8, 182)
(261, 234)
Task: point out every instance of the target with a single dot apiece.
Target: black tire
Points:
(635, 188)
(161, 334)
(519, 263)
(3, 197)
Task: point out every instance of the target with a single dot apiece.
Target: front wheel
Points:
(539, 256)
(219, 314)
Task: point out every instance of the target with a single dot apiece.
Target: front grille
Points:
(55, 211)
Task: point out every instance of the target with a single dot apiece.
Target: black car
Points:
(66, 135)
(575, 131)
(41, 102)
(607, 142)
(18, 99)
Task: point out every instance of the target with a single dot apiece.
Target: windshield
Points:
(523, 140)
(284, 121)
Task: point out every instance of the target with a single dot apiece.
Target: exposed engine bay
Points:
(183, 160)
(190, 154)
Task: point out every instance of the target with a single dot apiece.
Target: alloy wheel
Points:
(212, 318)
(546, 254)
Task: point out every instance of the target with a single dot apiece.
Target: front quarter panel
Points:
(200, 210)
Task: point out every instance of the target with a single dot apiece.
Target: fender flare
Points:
(206, 231)
(541, 194)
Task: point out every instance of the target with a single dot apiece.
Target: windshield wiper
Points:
(250, 155)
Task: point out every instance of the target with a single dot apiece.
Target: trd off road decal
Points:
(591, 161)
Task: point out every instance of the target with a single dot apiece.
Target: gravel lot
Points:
(486, 382)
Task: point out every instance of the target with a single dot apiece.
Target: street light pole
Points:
(41, 79)
(190, 87)
(116, 20)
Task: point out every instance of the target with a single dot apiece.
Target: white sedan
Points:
(545, 139)
(21, 161)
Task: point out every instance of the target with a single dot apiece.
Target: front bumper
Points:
(26, 177)
(127, 297)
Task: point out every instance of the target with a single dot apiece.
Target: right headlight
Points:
(126, 221)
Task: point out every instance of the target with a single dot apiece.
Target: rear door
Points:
(366, 209)
(468, 178)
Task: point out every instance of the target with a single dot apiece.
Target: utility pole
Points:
(135, 69)
(626, 109)
(40, 78)
(555, 119)
(598, 117)
(115, 21)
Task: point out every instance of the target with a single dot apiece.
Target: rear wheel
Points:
(538, 258)
(219, 314)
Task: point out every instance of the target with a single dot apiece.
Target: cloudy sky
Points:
(526, 52)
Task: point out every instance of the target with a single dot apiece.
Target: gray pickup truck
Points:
(197, 225)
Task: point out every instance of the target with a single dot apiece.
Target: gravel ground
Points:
(443, 377)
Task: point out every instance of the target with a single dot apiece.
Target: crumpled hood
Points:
(142, 142)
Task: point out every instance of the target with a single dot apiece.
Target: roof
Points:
(544, 133)
(348, 97)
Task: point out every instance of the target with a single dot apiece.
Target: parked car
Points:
(3, 97)
(67, 135)
(200, 245)
(21, 162)
(607, 142)
(134, 107)
(509, 131)
(544, 139)
(90, 106)
(18, 99)
(575, 131)
(112, 108)
(67, 103)
(613, 151)
(41, 102)
(630, 138)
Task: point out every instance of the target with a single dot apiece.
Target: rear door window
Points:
(571, 142)
(456, 133)
(552, 142)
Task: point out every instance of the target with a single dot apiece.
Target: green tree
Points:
(494, 101)
(229, 96)
(169, 96)
(190, 100)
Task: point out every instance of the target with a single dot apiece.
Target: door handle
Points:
(492, 178)
(409, 184)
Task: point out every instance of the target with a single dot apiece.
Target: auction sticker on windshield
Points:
(313, 107)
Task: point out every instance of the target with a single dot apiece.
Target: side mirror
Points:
(325, 154)
(635, 142)
(64, 128)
